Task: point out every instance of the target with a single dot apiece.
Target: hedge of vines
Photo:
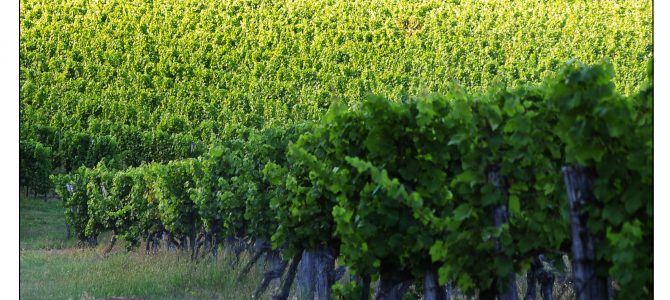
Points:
(137, 81)
(400, 189)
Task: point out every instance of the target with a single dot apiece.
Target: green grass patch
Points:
(52, 267)
(42, 225)
(79, 273)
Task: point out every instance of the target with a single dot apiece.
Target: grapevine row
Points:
(463, 189)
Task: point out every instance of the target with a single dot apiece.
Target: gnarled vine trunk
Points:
(277, 268)
(364, 282)
(500, 217)
(112, 242)
(288, 279)
(170, 242)
(538, 274)
(192, 240)
(91, 241)
(431, 287)
(392, 285)
(261, 247)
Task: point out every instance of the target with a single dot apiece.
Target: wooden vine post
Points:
(431, 287)
(306, 277)
(325, 272)
(316, 274)
(500, 217)
(588, 285)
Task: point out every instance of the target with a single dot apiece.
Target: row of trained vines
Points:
(459, 189)
(136, 81)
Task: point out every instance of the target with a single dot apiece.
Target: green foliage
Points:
(418, 183)
(100, 204)
(188, 117)
(302, 202)
(263, 147)
(152, 80)
(611, 135)
(399, 185)
(75, 200)
(407, 187)
(35, 166)
(171, 188)
(125, 211)
(506, 158)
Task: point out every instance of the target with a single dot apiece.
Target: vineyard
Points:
(363, 149)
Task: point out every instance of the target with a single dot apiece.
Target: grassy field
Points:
(52, 267)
